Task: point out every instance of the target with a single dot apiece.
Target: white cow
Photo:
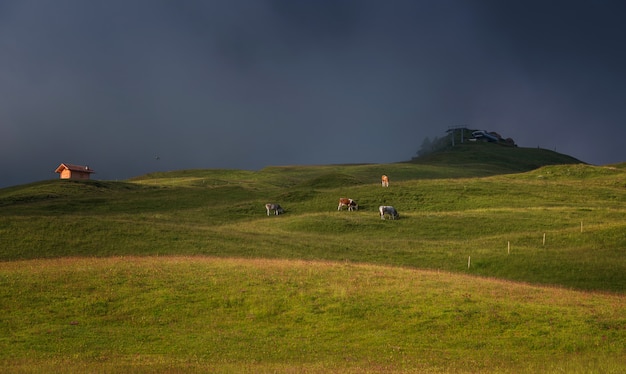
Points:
(388, 209)
(275, 207)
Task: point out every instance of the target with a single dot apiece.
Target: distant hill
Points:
(493, 155)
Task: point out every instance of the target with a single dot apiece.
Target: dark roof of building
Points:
(72, 167)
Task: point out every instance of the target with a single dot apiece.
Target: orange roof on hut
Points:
(71, 171)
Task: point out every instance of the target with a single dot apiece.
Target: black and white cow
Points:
(388, 209)
(351, 204)
(274, 207)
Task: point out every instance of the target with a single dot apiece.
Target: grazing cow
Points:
(387, 209)
(275, 207)
(351, 204)
(385, 181)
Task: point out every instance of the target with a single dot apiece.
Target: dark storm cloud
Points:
(248, 84)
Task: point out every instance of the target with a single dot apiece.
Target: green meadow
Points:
(504, 260)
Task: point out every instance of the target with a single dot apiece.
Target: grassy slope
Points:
(330, 314)
(177, 314)
(445, 221)
(496, 158)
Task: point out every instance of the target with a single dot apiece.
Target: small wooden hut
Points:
(70, 171)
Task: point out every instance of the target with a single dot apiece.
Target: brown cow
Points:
(351, 204)
(385, 181)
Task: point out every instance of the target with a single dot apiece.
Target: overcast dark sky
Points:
(252, 83)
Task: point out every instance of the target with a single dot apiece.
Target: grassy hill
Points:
(495, 157)
(496, 265)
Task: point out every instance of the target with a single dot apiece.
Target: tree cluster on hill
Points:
(458, 135)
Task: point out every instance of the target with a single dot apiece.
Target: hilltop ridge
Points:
(468, 159)
(505, 159)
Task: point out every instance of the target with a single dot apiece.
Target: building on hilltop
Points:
(70, 171)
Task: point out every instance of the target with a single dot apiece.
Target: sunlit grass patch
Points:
(154, 313)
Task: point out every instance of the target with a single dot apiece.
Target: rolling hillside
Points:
(504, 260)
(472, 203)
